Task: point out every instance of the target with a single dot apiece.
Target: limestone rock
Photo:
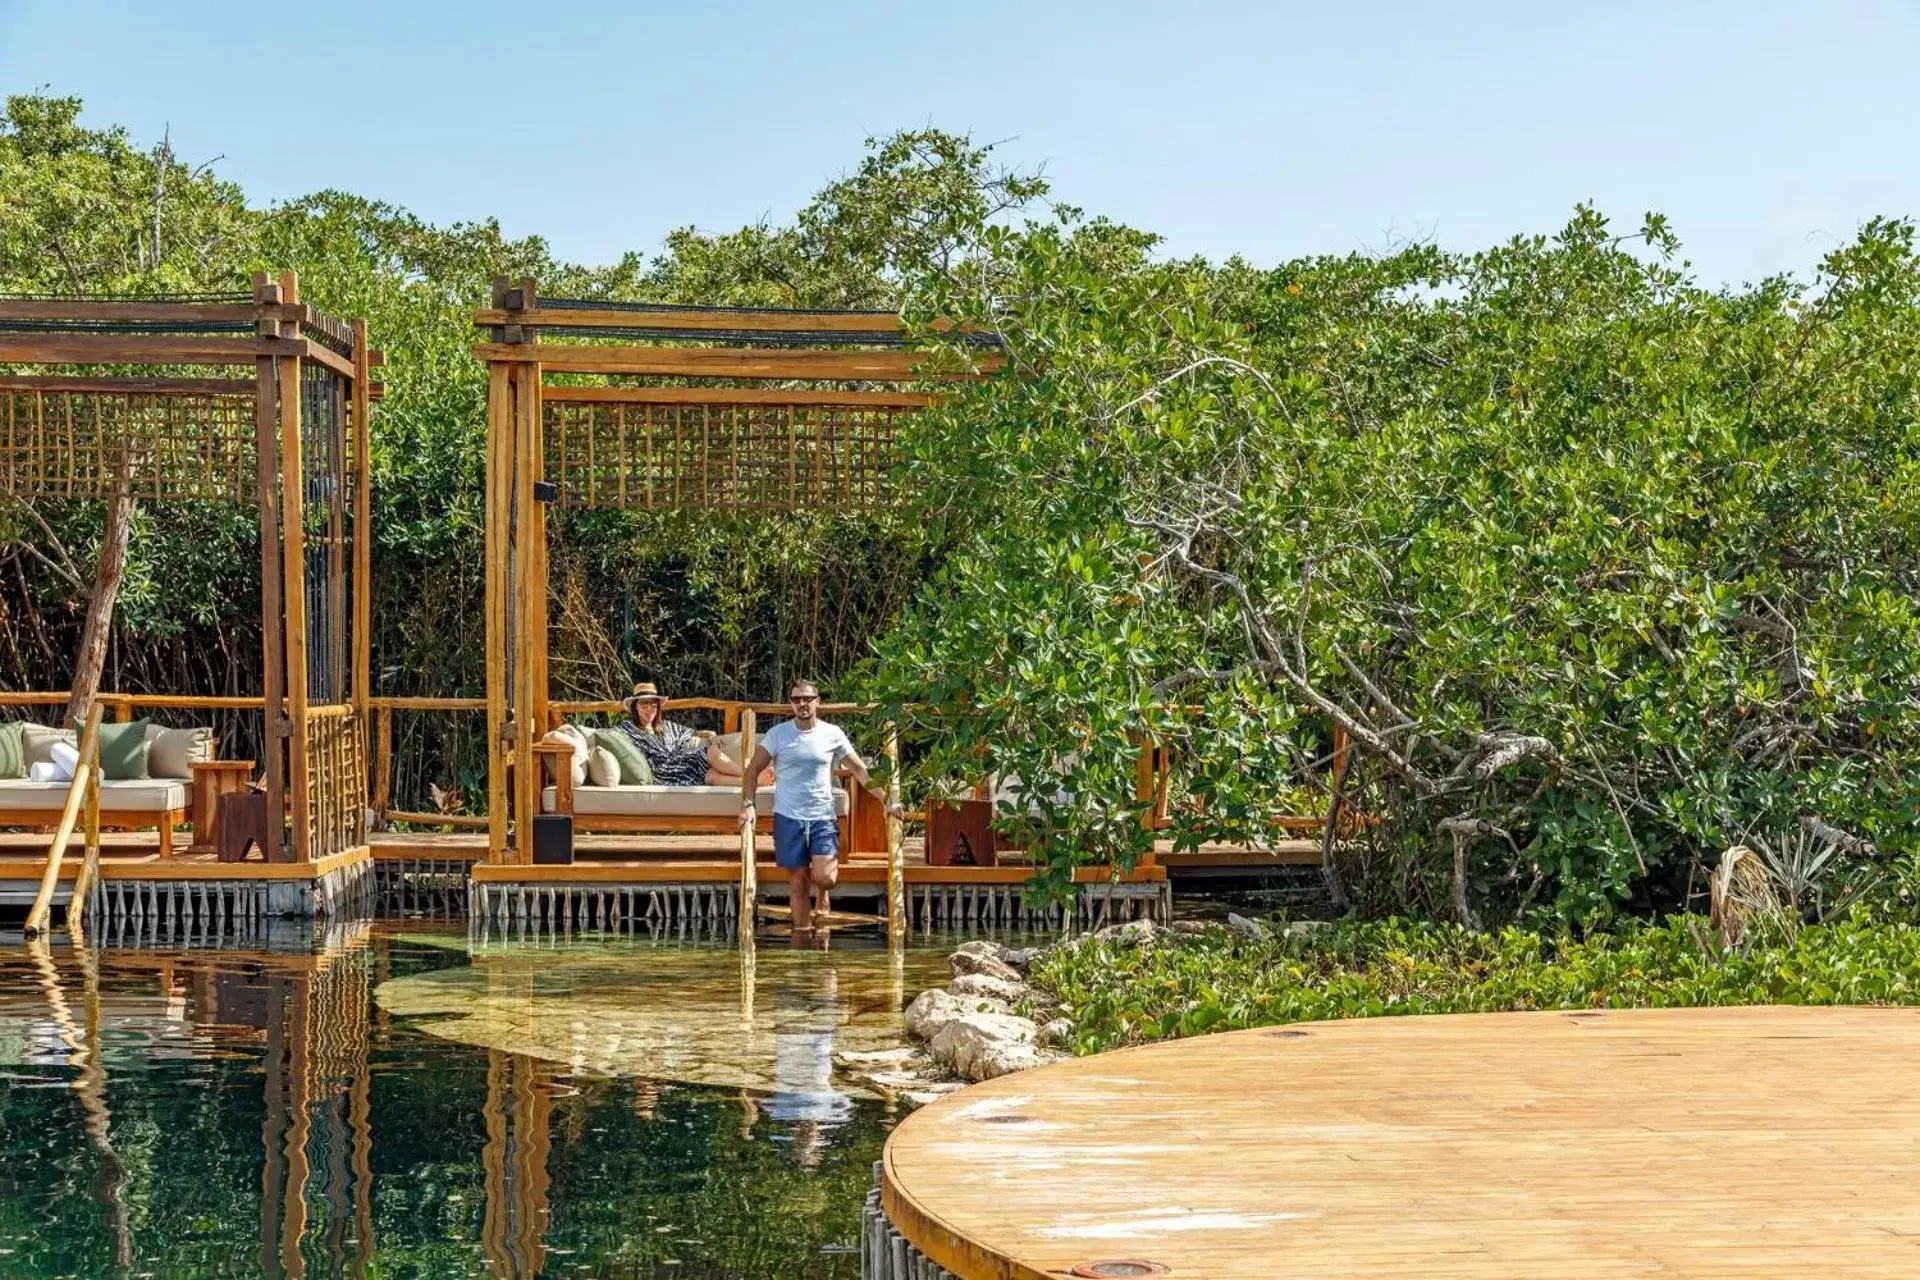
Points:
(981, 1046)
(876, 1059)
(1251, 930)
(972, 986)
(931, 1010)
(1057, 1034)
(964, 962)
(1132, 933)
(1192, 928)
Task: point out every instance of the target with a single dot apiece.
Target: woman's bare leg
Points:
(718, 765)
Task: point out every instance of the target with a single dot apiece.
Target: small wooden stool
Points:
(242, 824)
(961, 835)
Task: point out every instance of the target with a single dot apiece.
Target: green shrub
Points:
(1183, 985)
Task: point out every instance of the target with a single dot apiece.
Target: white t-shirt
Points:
(803, 768)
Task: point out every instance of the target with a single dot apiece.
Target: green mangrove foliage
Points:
(1115, 992)
(1599, 570)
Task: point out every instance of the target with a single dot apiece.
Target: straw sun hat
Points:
(644, 691)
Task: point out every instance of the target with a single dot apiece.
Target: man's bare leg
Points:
(800, 899)
(824, 873)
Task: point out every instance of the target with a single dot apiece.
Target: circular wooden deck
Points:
(1663, 1142)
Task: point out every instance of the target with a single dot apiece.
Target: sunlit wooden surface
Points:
(1702, 1143)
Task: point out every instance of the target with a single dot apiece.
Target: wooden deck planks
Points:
(1701, 1143)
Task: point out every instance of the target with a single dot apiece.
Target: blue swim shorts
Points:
(795, 840)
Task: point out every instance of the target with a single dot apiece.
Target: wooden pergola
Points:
(642, 406)
(247, 399)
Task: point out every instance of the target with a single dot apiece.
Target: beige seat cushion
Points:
(667, 802)
(143, 795)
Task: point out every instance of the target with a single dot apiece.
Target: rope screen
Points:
(763, 458)
(326, 521)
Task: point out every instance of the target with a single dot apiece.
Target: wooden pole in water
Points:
(69, 817)
(749, 868)
(90, 865)
(896, 861)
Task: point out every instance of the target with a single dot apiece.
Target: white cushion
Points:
(172, 753)
(667, 802)
(577, 738)
(135, 795)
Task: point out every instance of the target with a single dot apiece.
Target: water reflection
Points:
(391, 1104)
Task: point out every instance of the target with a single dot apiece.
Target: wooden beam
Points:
(529, 609)
(498, 660)
(129, 386)
(738, 395)
(697, 321)
(749, 861)
(896, 859)
(362, 523)
(105, 310)
(115, 348)
(293, 553)
(266, 443)
(325, 355)
(736, 362)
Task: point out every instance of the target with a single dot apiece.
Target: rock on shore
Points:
(969, 1028)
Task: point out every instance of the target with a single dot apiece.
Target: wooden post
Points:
(90, 864)
(89, 751)
(266, 443)
(1145, 787)
(293, 554)
(362, 520)
(499, 689)
(896, 859)
(531, 615)
(382, 765)
(749, 838)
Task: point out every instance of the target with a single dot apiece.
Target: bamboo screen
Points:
(336, 783)
(765, 458)
(69, 444)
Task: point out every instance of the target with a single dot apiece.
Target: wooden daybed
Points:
(162, 804)
(713, 810)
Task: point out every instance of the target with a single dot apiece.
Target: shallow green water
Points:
(395, 1105)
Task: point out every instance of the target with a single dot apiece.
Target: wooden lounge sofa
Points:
(713, 810)
(160, 804)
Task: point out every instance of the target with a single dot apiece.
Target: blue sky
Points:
(1767, 132)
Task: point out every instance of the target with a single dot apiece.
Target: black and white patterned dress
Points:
(677, 755)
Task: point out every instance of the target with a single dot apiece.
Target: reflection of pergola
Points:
(757, 410)
(288, 435)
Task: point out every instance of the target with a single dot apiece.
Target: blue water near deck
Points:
(397, 1103)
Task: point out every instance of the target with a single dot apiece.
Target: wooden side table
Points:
(211, 780)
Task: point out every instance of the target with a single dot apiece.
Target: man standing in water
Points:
(806, 831)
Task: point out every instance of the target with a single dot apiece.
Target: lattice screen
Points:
(68, 444)
(336, 784)
(723, 457)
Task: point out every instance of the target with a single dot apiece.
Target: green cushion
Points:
(12, 763)
(634, 769)
(123, 751)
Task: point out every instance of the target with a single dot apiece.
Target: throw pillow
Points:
(634, 769)
(36, 743)
(12, 763)
(123, 751)
(603, 767)
(172, 753)
(577, 738)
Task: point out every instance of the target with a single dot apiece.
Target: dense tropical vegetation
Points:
(1599, 569)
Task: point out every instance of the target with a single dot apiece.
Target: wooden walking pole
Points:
(69, 817)
(749, 868)
(896, 865)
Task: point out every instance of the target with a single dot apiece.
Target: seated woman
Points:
(679, 756)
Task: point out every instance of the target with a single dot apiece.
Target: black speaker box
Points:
(553, 840)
